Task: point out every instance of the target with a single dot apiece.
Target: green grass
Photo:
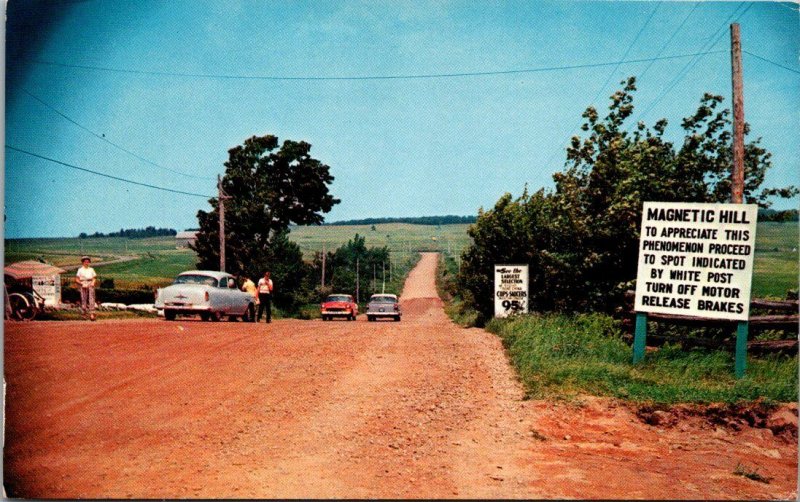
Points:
(398, 237)
(569, 355)
(151, 269)
(776, 263)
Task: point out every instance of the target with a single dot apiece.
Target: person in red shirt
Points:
(265, 297)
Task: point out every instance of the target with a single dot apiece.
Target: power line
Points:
(610, 75)
(103, 138)
(627, 51)
(105, 175)
(770, 61)
(715, 38)
(669, 40)
(361, 77)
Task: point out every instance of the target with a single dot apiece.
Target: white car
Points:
(208, 293)
(383, 306)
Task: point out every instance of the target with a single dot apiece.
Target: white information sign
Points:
(48, 287)
(510, 290)
(696, 259)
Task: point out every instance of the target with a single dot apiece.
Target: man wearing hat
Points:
(86, 279)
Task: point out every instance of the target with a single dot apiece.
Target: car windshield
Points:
(383, 299)
(196, 279)
(338, 298)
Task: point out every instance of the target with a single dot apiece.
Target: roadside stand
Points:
(29, 287)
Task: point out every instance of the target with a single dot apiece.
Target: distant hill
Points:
(417, 220)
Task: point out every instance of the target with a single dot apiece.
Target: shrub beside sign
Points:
(510, 290)
(696, 259)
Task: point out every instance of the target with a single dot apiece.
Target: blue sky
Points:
(397, 147)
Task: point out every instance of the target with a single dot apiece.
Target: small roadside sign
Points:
(510, 290)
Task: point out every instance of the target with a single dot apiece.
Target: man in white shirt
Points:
(265, 297)
(86, 278)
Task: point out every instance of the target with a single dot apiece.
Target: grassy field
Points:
(398, 237)
(564, 355)
(157, 261)
(776, 265)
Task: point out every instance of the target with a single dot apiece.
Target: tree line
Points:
(416, 220)
(773, 215)
(133, 233)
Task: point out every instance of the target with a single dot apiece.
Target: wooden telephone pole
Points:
(323, 264)
(737, 176)
(221, 199)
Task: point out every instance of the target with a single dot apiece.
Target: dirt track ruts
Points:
(420, 408)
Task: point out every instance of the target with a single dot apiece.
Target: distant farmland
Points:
(156, 261)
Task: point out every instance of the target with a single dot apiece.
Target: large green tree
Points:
(581, 239)
(268, 188)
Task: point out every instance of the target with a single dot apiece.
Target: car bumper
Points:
(384, 314)
(185, 308)
(343, 313)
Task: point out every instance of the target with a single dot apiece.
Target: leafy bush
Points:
(581, 240)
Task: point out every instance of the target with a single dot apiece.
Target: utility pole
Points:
(383, 288)
(737, 176)
(374, 279)
(323, 264)
(221, 197)
(358, 297)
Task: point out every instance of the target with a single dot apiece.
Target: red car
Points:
(337, 305)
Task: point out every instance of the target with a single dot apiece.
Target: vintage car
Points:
(207, 293)
(383, 306)
(339, 305)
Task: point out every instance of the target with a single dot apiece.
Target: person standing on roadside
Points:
(265, 297)
(86, 278)
(250, 287)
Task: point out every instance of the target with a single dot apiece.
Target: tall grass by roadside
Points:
(454, 306)
(567, 355)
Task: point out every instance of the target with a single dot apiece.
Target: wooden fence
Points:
(781, 315)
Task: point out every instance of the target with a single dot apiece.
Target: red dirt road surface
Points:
(420, 408)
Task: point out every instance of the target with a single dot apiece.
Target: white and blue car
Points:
(206, 293)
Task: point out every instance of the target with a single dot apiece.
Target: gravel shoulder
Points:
(421, 408)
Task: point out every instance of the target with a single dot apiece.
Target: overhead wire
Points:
(608, 79)
(714, 39)
(103, 138)
(762, 58)
(363, 77)
(669, 40)
(117, 178)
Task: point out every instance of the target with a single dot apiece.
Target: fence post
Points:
(639, 337)
(741, 348)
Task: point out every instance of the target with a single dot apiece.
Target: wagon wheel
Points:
(22, 307)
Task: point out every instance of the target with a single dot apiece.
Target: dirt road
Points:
(420, 408)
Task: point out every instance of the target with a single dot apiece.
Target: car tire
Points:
(214, 316)
(169, 315)
(397, 319)
(370, 318)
